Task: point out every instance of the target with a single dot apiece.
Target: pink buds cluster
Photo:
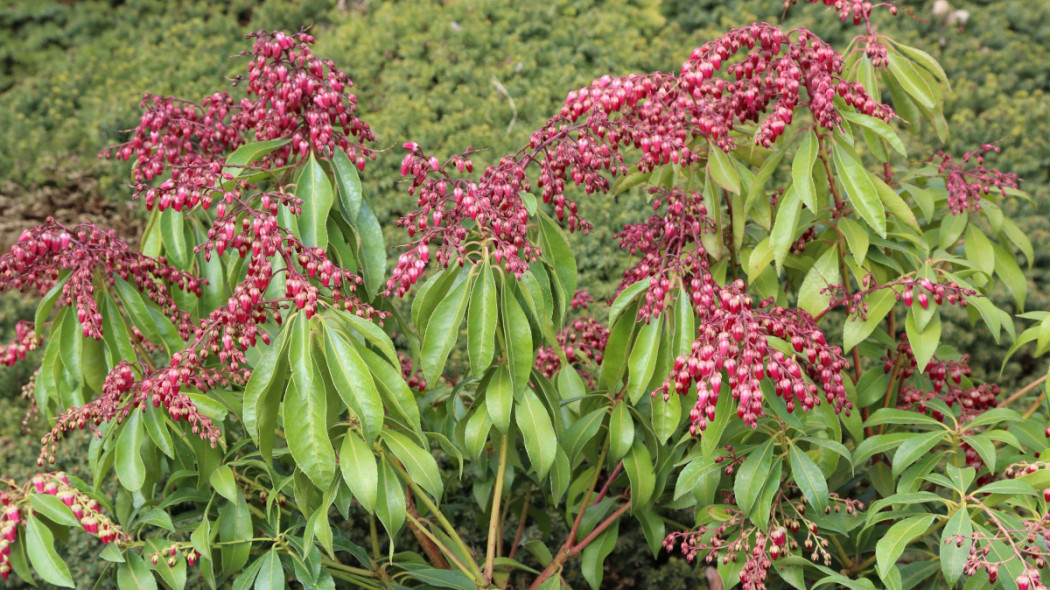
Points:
(950, 292)
(947, 379)
(667, 246)
(1026, 547)
(25, 341)
(292, 95)
(581, 300)
(413, 377)
(734, 340)
(859, 11)
(86, 252)
(583, 344)
(14, 504)
(967, 185)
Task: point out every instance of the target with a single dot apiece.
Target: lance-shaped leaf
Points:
(802, 170)
(262, 393)
(499, 398)
(621, 432)
(419, 463)
(809, 478)
(353, 382)
(40, 545)
(541, 443)
(785, 225)
(896, 540)
(642, 362)
(481, 322)
(517, 334)
(313, 188)
(862, 192)
(638, 464)
(131, 469)
(306, 408)
(443, 329)
(358, 211)
(390, 504)
(357, 463)
(134, 573)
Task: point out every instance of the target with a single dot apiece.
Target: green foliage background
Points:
(480, 73)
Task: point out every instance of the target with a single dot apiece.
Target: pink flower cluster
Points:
(583, 344)
(734, 339)
(86, 252)
(946, 378)
(859, 11)
(15, 502)
(967, 185)
(25, 341)
(586, 143)
(292, 95)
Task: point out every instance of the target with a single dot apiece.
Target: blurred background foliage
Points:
(448, 75)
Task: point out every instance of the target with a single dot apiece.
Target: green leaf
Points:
(390, 504)
(476, 432)
(923, 342)
(222, 481)
(1010, 487)
(434, 577)
(581, 432)
(305, 409)
(313, 188)
(353, 381)
(348, 185)
(985, 449)
(421, 466)
(824, 273)
(914, 447)
(625, 299)
(638, 464)
(896, 540)
(371, 332)
(667, 415)
(895, 204)
(877, 126)
(1011, 274)
(880, 304)
(802, 170)
(53, 509)
(720, 167)
(131, 469)
(499, 398)
(541, 442)
(517, 334)
(262, 393)
(642, 362)
(752, 473)
(809, 478)
(856, 238)
(443, 330)
(594, 555)
(860, 189)
(621, 432)
(358, 466)
(172, 227)
(911, 81)
(40, 545)
(134, 573)
(785, 225)
(953, 557)
(235, 528)
(271, 572)
(481, 322)
(558, 252)
(247, 154)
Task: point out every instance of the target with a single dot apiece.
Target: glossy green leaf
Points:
(390, 503)
(476, 432)
(720, 168)
(621, 432)
(313, 188)
(353, 382)
(443, 330)
(813, 296)
(910, 80)
(893, 543)
(860, 189)
(481, 322)
(40, 545)
(172, 229)
(880, 304)
(952, 557)
(421, 466)
(541, 442)
(262, 393)
(499, 398)
(642, 362)
(271, 572)
(667, 415)
(582, 431)
(877, 126)
(785, 225)
(131, 469)
(517, 335)
(222, 482)
(358, 466)
(53, 509)
(638, 464)
(595, 553)
(348, 185)
(923, 342)
(305, 409)
(915, 447)
(557, 250)
(625, 299)
(809, 478)
(752, 473)
(235, 530)
(802, 169)
(135, 574)
(248, 154)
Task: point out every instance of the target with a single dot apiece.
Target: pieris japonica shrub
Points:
(767, 394)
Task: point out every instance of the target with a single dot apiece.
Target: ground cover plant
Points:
(767, 393)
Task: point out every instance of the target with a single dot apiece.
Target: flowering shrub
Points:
(275, 407)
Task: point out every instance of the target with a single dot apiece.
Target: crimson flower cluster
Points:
(907, 289)
(946, 378)
(14, 504)
(583, 344)
(292, 95)
(656, 114)
(412, 376)
(43, 253)
(25, 341)
(967, 185)
(859, 11)
(735, 340)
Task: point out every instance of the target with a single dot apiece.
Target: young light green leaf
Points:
(910, 80)
(856, 238)
(172, 228)
(558, 252)
(222, 482)
(419, 463)
(581, 432)
(313, 188)
(353, 382)
(923, 342)
(802, 169)
(262, 393)
(271, 572)
(348, 184)
(812, 294)
(541, 443)
(443, 330)
(481, 322)
(878, 127)
(860, 189)
(40, 545)
(880, 304)
(358, 467)
(914, 447)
